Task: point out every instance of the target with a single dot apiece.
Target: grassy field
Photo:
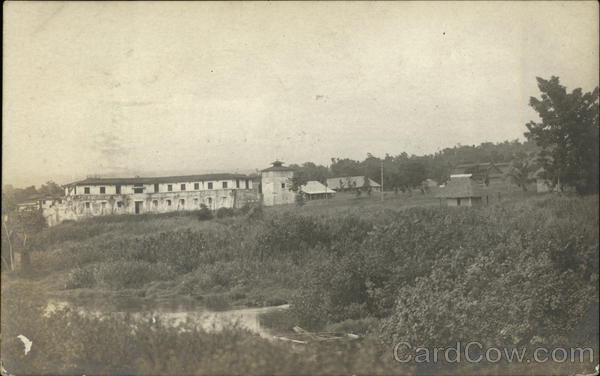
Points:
(522, 270)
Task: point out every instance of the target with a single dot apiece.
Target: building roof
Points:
(314, 187)
(499, 169)
(461, 186)
(350, 182)
(504, 166)
(158, 179)
(481, 170)
(278, 166)
(27, 203)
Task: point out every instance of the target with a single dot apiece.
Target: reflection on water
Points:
(175, 314)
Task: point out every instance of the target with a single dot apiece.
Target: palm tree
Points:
(520, 172)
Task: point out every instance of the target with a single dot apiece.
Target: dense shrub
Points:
(245, 208)
(501, 298)
(341, 287)
(502, 274)
(119, 274)
(80, 278)
(204, 213)
(291, 235)
(299, 199)
(255, 212)
(214, 277)
(225, 212)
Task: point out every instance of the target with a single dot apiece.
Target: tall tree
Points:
(18, 229)
(415, 173)
(568, 133)
(521, 170)
(51, 189)
(307, 172)
(345, 167)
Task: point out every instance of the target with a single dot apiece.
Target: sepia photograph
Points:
(300, 188)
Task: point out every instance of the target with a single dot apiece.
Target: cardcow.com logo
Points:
(475, 352)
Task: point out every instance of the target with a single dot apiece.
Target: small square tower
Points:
(276, 182)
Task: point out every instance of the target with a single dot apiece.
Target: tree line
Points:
(403, 172)
(562, 148)
(11, 195)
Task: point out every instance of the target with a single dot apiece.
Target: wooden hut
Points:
(462, 190)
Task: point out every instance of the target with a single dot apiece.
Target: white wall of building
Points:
(276, 187)
(77, 204)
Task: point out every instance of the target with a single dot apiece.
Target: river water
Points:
(176, 314)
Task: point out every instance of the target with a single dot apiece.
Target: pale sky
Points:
(173, 88)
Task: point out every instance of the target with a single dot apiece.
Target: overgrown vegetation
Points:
(516, 272)
(69, 343)
(66, 342)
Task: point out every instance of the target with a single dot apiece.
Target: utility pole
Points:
(382, 180)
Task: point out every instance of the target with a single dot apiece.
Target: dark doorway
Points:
(138, 207)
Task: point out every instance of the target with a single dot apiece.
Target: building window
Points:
(138, 188)
(282, 185)
(170, 187)
(195, 202)
(224, 184)
(237, 183)
(155, 187)
(119, 204)
(86, 190)
(118, 189)
(155, 203)
(87, 205)
(210, 185)
(247, 184)
(181, 202)
(196, 186)
(209, 201)
(102, 190)
(168, 202)
(183, 187)
(103, 204)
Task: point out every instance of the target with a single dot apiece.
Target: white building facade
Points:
(111, 196)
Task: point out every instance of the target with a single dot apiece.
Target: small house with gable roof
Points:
(462, 190)
(314, 190)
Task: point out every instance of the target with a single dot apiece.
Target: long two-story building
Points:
(105, 196)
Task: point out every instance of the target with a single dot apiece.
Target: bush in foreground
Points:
(204, 214)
